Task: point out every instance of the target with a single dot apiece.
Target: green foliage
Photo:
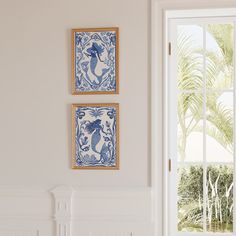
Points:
(219, 125)
(219, 198)
(190, 192)
(223, 34)
(219, 75)
(189, 64)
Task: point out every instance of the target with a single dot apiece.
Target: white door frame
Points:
(161, 10)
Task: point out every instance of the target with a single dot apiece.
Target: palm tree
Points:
(218, 75)
(219, 119)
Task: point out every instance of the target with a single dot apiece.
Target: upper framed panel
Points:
(95, 61)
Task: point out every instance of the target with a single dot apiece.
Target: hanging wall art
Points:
(95, 136)
(95, 61)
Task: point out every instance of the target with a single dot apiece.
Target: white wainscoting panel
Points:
(112, 212)
(25, 212)
(75, 211)
(112, 229)
(18, 232)
(112, 205)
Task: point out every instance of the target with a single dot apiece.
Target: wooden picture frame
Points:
(95, 61)
(95, 136)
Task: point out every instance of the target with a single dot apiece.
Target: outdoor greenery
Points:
(219, 126)
(219, 199)
(190, 203)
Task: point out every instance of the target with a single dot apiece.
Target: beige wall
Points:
(35, 93)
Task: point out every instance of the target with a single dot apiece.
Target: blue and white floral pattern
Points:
(95, 61)
(96, 136)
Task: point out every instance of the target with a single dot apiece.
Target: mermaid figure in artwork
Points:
(95, 129)
(95, 52)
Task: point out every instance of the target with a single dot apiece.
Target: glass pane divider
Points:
(190, 91)
(188, 163)
(203, 234)
(219, 90)
(234, 119)
(204, 129)
(207, 91)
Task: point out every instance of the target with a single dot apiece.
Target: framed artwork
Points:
(95, 136)
(95, 61)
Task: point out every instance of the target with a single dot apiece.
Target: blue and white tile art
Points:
(96, 136)
(95, 61)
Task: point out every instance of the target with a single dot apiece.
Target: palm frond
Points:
(223, 34)
(220, 125)
(189, 64)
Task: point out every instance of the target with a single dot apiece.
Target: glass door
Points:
(201, 125)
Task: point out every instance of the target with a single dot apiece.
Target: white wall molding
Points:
(67, 211)
(112, 204)
(24, 191)
(63, 201)
(25, 211)
(19, 232)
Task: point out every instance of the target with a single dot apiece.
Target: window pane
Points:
(219, 128)
(219, 56)
(219, 200)
(205, 127)
(190, 198)
(190, 57)
(190, 133)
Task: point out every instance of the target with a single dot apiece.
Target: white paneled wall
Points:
(18, 232)
(25, 212)
(67, 211)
